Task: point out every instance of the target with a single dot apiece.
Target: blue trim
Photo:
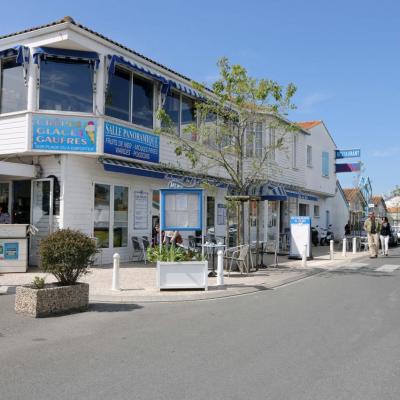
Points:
(186, 89)
(66, 53)
(303, 196)
(118, 60)
(164, 192)
(134, 171)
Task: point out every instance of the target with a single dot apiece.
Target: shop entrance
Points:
(21, 202)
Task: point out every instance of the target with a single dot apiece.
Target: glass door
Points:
(41, 214)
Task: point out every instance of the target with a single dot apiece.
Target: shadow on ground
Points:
(113, 307)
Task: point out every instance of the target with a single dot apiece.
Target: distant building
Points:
(357, 205)
(379, 206)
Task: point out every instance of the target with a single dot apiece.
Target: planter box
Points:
(182, 275)
(52, 299)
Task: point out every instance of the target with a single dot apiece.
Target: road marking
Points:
(387, 268)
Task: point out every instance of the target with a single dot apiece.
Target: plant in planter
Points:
(67, 254)
(178, 268)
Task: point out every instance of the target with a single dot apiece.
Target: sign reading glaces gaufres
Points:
(131, 143)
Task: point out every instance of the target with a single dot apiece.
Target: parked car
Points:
(393, 238)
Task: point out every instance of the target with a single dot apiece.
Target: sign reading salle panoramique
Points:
(63, 133)
(131, 143)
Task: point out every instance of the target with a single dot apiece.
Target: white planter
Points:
(182, 275)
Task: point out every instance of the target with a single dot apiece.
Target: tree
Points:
(227, 136)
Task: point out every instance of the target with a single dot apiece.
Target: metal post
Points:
(304, 259)
(344, 247)
(220, 268)
(115, 276)
(331, 249)
(354, 245)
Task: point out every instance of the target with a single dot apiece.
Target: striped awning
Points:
(186, 89)
(66, 54)
(159, 172)
(272, 192)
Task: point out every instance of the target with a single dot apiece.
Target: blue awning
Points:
(301, 196)
(67, 54)
(186, 89)
(115, 60)
(272, 192)
(22, 57)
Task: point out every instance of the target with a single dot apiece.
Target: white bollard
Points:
(344, 247)
(115, 276)
(354, 245)
(304, 258)
(331, 249)
(220, 268)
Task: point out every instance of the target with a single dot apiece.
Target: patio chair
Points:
(237, 255)
(139, 249)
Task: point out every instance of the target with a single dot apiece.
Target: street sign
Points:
(347, 153)
(348, 167)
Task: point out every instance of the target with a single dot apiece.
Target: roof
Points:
(351, 194)
(308, 124)
(70, 20)
(393, 210)
(377, 199)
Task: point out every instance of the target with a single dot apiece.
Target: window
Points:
(131, 98)
(294, 151)
(107, 216)
(5, 196)
(118, 95)
(210, 213)
(102, 215)
(304, 210)
(120, 216)
(249, 140)
(271, 143)
(325, 163)
(66, 85)
(316, 211)
(309, 156)
(182, 112)
(259, 140)
(13, 92)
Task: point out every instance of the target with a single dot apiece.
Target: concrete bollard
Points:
(331, 249)
(304, 258)
(344, 247)
(115, 276)
(354, 245)
(220, 268)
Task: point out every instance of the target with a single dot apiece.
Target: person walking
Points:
(384, 236)
(373, 228)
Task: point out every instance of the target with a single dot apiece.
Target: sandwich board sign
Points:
(300, 235)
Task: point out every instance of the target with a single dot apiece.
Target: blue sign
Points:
(347, 153)
(300, 220)
(11, 251)
(64, 133)
(131, 143)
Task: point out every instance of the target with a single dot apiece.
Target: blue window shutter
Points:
(325, 163)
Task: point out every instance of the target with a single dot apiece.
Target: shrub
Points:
(38, 282)
(67, 254)
(172, 253)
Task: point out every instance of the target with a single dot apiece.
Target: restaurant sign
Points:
(64, 133)
(131, 143)
(347, 153)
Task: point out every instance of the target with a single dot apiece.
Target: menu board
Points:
(141, 210)
(181, 209)
(300, 235)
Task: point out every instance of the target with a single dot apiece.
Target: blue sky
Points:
(342, 55)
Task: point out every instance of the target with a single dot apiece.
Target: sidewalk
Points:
(138, 281)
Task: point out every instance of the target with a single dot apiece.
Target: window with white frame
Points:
(131, 98)
(110, 226)
(316, 211)
(294, 151)
(254, 140)
(182, 113)
(271, 143)
(309, 156)
(304, 210)
(250, 140)
(325, 164)
(13, 92)
(258, 140)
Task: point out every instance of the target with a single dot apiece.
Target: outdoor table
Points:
(213, 247)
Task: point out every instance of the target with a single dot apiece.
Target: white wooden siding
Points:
(13, 134)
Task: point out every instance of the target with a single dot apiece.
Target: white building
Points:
(78, 149)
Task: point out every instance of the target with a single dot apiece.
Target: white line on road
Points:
(387, 268)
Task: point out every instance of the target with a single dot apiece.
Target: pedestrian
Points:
(4, 216)
(347, 229)
(373, 227)
(384, 236)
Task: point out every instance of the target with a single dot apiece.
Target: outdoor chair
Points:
(237, 255)
(139, 249)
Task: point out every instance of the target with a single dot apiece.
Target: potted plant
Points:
(67, 254)
(178, 268)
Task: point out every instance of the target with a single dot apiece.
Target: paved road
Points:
(332, 336)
